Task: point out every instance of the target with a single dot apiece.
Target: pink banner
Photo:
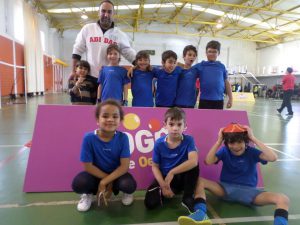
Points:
(59, 129)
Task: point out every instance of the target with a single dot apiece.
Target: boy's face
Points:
(169, 65)
(175, 127)
(143, 63)
(237, 148)
(113, 57)
(212, 54)
(81, 71)
(109, 118)
(190, 57)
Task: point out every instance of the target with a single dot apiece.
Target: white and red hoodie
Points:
(93, 42)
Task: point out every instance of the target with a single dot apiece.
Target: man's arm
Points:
(126, 50)
(79, 48)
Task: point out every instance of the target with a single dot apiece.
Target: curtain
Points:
(33, 52)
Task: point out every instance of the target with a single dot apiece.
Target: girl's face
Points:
(237, 148)
(143, 63)
(81, 71)
(189, 58)
(113, 57)
(109, 118)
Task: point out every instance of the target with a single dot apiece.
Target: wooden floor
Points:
(17, 208)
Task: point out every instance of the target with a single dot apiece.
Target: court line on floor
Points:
(214, 221)
(282, 144)
(229, 220)
(288, 160)
(282, 118)
(286, 154)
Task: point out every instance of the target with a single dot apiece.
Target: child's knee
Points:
(152, 203)
(282, 199)
(153, 199)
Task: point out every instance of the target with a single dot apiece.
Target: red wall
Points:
(7, 73)
(48, 73)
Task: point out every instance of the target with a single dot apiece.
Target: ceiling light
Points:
(219, 25)
(84, 16)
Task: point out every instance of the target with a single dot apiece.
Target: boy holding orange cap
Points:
(238, 179)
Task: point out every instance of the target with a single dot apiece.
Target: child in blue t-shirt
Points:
(167, 80)
(238, 178)
(213, 79)
(175, 163)
(186, 90)
(141, 81)
(105, 156)
(113, 80)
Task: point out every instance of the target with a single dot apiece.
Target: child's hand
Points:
(108, 191)
(220, 135)
(180, 65)
(130, 72)
(102, 186)
(101, 194)
(79, 81)
(169, 178)
(167, 192)
(250, 133)
(229, 104)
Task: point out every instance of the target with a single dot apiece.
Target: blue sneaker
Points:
(195, 218)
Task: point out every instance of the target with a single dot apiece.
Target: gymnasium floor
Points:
(16, 208)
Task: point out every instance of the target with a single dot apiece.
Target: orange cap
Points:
(234, 128)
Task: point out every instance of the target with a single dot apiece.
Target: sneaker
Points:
(127, 199)
(85, 202)
(188, 203)
(289, 114)
(193, 220)
(278, 111)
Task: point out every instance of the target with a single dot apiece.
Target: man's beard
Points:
(105, 22)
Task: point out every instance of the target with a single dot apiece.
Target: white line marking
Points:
(289, 155)
(214, 221)
(229, 220)
(282, 144)
(288, 160)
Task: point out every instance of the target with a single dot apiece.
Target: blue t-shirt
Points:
(168, 158)
(166, 86)
(104, 155)
(212, 76)
(141, 87)
(186, 90)
(112, 79)
(241, 169)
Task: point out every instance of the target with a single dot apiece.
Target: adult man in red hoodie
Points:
(288, 84)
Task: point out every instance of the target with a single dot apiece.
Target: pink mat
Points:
(59, 129)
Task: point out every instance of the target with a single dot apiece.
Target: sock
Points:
(281, 217)
(200, 203)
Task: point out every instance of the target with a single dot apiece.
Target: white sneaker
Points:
(85, 202)
(127, 199)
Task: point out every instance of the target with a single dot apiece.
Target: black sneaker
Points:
(188, 203)
(289, 114)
